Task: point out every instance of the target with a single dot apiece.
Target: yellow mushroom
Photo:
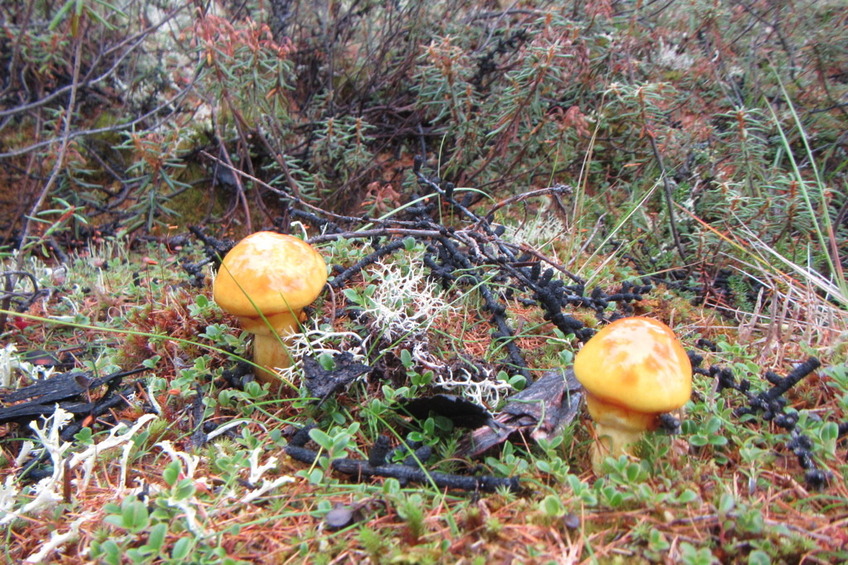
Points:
(633, 370)
(267, 280)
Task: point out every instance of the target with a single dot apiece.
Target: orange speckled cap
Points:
(271, 273)
(638, 364)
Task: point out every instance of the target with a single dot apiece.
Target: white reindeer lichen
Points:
(404, 302)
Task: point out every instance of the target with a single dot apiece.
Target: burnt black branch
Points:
(771, 406)
(782, 385)
(452, 259)
(408, 472)
(487, 63)
(373, 257)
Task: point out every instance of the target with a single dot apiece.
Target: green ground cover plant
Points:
(489, 184)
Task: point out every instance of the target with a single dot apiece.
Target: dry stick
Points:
(379, 232)
(544, 258)
(60, 158)
(240, 122)
(710, 518)
(415, 232)
(278, 192)
(362, 468)
(280, 160)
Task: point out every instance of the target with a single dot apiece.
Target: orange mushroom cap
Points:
(636, 364)
(270, 273)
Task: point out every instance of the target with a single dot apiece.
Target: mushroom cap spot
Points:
(638, 364)
(270, 273)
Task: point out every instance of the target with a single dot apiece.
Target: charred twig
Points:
(361, 469)
(285, 194)
(342, 277)
(486, 63)
(323, 383)
(377, 232)
(63, 386)
(555, 190)
(552, 295)
(326, 226)
(503, 331)
(110, 400)
(541, 411)
(541, 257)
(782, 385)
(771, 404)
(446, 193)
(214, 250)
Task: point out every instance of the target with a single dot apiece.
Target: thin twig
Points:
(669, 199)
(558, 189)
(379, 232)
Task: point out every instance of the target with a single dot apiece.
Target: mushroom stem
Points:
(271, 336)
(270, 354)
(611, 442)
(617, 429)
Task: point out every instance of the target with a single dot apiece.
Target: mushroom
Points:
(633, 370)
(266, 280)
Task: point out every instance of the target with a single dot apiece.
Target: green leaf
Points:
(406, 358)
(111, 552)
(184, 489)
(156, 537)
(84, 436)
(717, 441)
(135, 515)
(552, 506)
(829, 434)
(687, 496)
(657, 541)
(171, 473)
(726, 503)
(699, 441)
(321, 438)
(60, 15)
(181, 548)
(759, 557)
(543, 466)
(138, 554)
(352, 294)
(316, 476)
(326, 361)
(151, 362)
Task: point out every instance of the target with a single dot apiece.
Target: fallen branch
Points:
(376, 466)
